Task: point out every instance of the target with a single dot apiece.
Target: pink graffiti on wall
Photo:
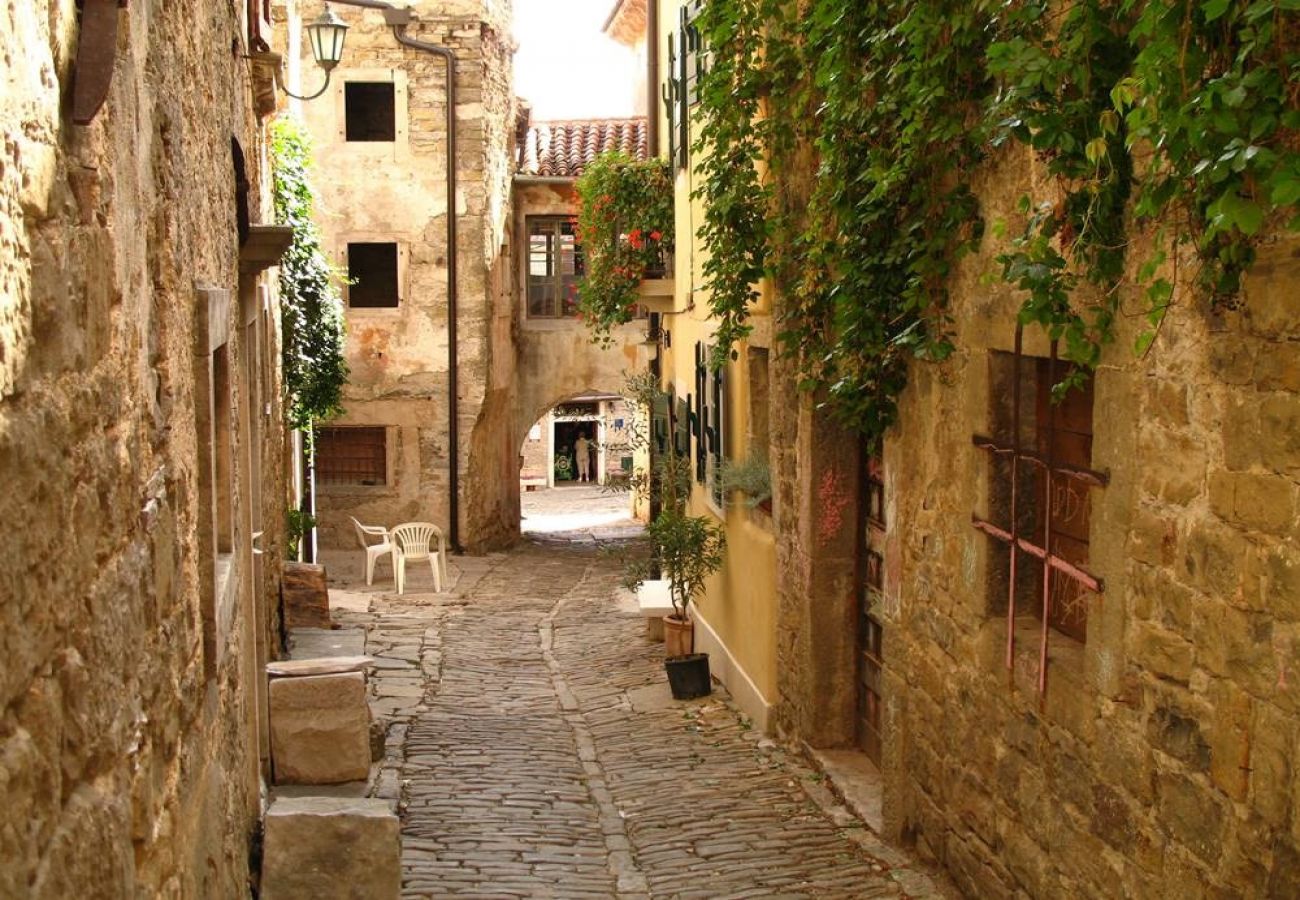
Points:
(833, 499)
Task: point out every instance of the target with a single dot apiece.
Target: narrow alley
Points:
(535, 751)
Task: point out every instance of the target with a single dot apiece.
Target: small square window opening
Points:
(372, 269)
(370, 111)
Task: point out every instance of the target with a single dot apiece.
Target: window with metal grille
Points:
(352, 455)
(370, 111)
(554, 267)
(1040, 481)
(372, 271)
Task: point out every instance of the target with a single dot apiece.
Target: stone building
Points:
(557, 362)
(1154, 753)
(380, 132)
(382, 147)
(142, 449)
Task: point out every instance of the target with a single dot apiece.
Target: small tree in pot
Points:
(688, 549)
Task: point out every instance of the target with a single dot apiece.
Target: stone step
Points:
(321, 848)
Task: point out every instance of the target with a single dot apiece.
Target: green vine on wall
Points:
(838, 141)
(311, 309)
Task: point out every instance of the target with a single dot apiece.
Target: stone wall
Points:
(396, 191)
(1160, 761)
(129, 748)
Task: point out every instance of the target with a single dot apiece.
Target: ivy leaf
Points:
(1213, 9)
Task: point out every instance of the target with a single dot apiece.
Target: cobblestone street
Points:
(534, 750)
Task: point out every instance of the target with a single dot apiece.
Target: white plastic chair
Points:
(367, 533)
(412, 540)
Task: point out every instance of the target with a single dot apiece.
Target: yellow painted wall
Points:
(740, 602)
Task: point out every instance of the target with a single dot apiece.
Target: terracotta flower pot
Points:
(679, 637)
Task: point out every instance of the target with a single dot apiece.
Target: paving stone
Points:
(539, 753)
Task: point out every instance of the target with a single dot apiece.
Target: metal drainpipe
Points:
(453, 423)
(652, 79)
(398, 18)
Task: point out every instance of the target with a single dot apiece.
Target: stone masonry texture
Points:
(395, 191)
(534, 751)
(1161, 760)
(128, 764)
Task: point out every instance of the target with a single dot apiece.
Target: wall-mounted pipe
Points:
(453, 399)
(398, 19)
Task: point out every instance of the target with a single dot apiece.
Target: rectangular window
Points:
(709, 423)
(1040, 482)
(222, 449)
(372, 269)
(554, 267)
(370, 111)
(352, 455)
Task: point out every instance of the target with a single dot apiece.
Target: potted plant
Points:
(688, 549)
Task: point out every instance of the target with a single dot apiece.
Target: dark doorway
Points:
(567, 466)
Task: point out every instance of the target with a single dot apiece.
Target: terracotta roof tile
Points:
(563, 149)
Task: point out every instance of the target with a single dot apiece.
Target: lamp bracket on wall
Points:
(96, 56)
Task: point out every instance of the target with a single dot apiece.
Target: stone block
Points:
(306, 598)
(1259, 502)
(321, 665)
(1271, 763)
(320, 729)
(1229, 736)
(1161, 652)
(1193, 814)
(321, 848)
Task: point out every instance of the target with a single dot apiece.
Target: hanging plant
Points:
(311, 308)
(625, 230)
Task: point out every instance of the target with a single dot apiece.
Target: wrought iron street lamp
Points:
(326, 35)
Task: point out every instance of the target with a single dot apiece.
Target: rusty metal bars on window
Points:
(1052, 564)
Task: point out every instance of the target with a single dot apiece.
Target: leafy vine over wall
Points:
(625, 228)
(311, 309)
(838, 140)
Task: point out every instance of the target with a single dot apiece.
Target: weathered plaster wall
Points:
(1161, 761)
(396, 191)
(126, 768)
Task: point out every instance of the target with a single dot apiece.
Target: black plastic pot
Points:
(688, 676)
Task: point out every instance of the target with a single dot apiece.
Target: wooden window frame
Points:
(1052, 472)
(562, 301)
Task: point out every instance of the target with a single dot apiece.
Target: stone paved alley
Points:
(535, 751)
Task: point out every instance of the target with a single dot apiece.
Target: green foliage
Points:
(297, 523)
(752, 476)
(689, 549)
(625, 227)
(881, 105)
(838, 141)
(1178, 117)
(311, 310)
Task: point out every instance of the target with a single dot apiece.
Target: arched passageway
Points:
(576, 462)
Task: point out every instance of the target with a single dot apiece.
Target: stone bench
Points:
(320, 720)
(654, 602)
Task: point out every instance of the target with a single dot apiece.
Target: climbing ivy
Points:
(838, 140)
(625, 228)
(311, 310)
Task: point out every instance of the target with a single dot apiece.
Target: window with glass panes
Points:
(554, 267)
